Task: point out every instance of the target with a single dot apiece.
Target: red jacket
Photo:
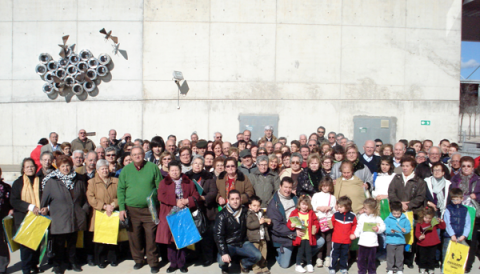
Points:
(312, 220)
(35, 155)
(344, 225)
(431, 236)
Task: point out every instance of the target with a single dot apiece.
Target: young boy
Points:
(457, 220)
(396, 227)
(257, 232)
(344, 224)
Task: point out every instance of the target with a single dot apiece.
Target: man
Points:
(127, 137)
(82, 142)
(217, 136)
(277, 146)
(202, 147)
(444, 146)
(339, 137)
(239, 137)
(88, 170)
(104, 142)
(46, 159)
(100, 153)
(398, 152)
(282, 140)
(331, 138)
(172, 137)
(112, 138)
(194, 137)
(77, 157)
(427, 144)
(35, 154)
(186, 143)
(247, 137)
(226, 147)
(53, 146)
(421, 157)
(368, 158)
(424, 169)
(343, 142)
(455, 164)
(321, 135)
(269, 135)
(231, 235)
(156, 149)
(248, 166)
(378, 146)
(304, 151)
(171, 146)
(302, 139)
(135, 184)
(138, 143)
(269, 147)
(279, 209)
(312, 144)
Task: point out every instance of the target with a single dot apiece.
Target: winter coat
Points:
(253, 227)
(396, 238)
(242, 184)
(99, 194)
(168, 199)
(457, 180)
(369, 239)
(431, 197)
(265, 185)
(324, 199)
(344, 225)
(360, 170)
(228, 231)
(79, 145)
(413, 192)
(353, 188)
(312, 221)
(20, 208)
(274, 139)
(247, 171)
(35, 155)
(373, 164)
(209, 207)
(457, 220)
(308, 182)
(431, 236)
(424, 170)
(280, 233)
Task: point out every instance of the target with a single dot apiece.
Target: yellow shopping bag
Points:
(122, 235)
(410, 236)
(8, 225)
(455, 258)
(31, 231)
(106, 228)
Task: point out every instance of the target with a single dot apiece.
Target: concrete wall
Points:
(311, 62)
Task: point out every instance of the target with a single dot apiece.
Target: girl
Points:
(426, 233)
(306, 215)
(323, 204)
(382, 178)
(369, 225)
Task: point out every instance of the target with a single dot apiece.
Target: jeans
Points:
(248, 251)
(284, 254)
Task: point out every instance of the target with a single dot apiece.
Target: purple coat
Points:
(457, 179)
(168, 199)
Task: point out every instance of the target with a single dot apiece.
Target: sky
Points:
(470, 60)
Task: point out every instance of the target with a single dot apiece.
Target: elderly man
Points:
(217, 136)
(321, 135)
(424, 169)
(170, 146)
(53, 145)
(332, 138)
(82, 142)
(138, 143)
(269, 137)
(104, 142)
(269, 147)
(398, 152)
(136, 183)
(77, 157)
(343, 142)
(305, 151)
(279, 209)
(277, 146)
(239, 137)
(100, 153)
(127, 138)
(378, 146)
(230, 235)
(421, 157)
(201, 147)
(226, 147)
(264, 181)
(454, 163)
(444, 146)
(185, 143)
(368, 157)
(88, 170)
(247, 137)
(339, 137)
(194, 137)
(312, 144)
(46, 159)
(248, 166)
(283, 141)
(302, 139)
(112, 138)
(427, 144)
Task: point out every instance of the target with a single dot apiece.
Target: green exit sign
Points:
(425, 122)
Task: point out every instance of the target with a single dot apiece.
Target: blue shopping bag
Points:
(183, 228)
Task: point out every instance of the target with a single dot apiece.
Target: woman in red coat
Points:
(176, 190)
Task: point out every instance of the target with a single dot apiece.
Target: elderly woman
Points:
(111, 157)
(124, 161)
(64, 196)
(208, 206)
(310, 177)
(264, 180)
(296, 161)
(185, 154)
(217, 148)
(437, 189)
(165, 158)
(230, 179)
(102, 196)
(218, 166)
(326, 163)
(176, 190)
(469, 183)
(25, 196)
(386, 150)
(359, 169)
(273, 164)
(209, 157)
(66, 148)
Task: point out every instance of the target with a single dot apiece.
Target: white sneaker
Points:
(326, 263)
(319, 262)
(400, 272)
(344, 271)
(300, 269)
(421, 270)
(390, 272)
(331, 271)
(310, 268)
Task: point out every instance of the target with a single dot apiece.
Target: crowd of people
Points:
(314, 199)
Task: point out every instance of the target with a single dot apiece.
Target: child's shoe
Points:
(343, 271)
(320, 262)
(422, 271)
(300, 269)
(310, 268)
(331, 271)
(326, 263)
(400, 272)
(390, 272)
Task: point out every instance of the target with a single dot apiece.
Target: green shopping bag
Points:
(471, 212)
(384, 209)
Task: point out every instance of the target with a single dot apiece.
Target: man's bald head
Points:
(369, 147)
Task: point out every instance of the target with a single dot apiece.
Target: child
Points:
(427, 236)
(305, 213)
(257, 232)
(323, 204)
(344, 224)
(396, 227)
(456, 219)
(368, 242)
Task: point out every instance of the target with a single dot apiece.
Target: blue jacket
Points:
(396, 238)
(280, 234)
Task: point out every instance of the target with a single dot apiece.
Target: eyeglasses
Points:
(261, 153)
(467, 166)
(168, 159)
(311, 145)
(455, 161)
(263, 164)
(110, 155)
(378, 145)
(437, 170)
(331, 137)
(229, 166)
(320, 131)
(295, 162)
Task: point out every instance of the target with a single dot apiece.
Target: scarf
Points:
(66, 179)
(357, 165)
(465, 183)
(178, 188)
(438, 185)
(409, 177)
(29, 194)
(236, 214)
(288, 204)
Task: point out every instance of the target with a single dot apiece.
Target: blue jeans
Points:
(284, 254)
(248, 251)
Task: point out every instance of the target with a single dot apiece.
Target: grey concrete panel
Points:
(177, 10)
(52, 10)
(251, 11)
(169, 90)
(6, 112)
(434, 14)
(6, 93)
(378, 13)
(6, 13)
(28, 91)
(328, 12)
(7, 155)
(107, 10)
(6, 29)
(367, 88)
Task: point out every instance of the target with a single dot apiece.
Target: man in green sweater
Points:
(137, 180)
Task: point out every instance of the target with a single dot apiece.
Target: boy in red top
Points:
(344, 224)
(426, 233)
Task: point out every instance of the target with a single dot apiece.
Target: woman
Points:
(359, 169)
(111, 157)
(310, 177)
(210, 146)
(313, 136)
(230, 179)
(286, 160)
(466, 180)
(326, 164)
(217, 148)
(127, 147)
(415, 144)
(437, 189)
(25, 196)
(64, 196)
(233, 152)
(285, 149)
(386, 150)
(338, 153)
(265, 181)
(185, 159)
(294, 146)
(208, 206)
(262, 151)
(294, 171)
(209, 157)
(273, 164)
(124, 161)
(383, 178)
(254, 152)
(218, 167)
(66, 148)
(102, 196)
(176, 190)
(324, 147)
(5, 210)
(165, 158)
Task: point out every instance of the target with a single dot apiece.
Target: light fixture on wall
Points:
(181, 84)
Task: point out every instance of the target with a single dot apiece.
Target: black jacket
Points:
(308, 182)
(20, 208)
(424, 170)
(209, 185)
(228, 231)
(373, 164)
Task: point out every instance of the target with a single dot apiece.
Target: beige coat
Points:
(99, 194)
(353, 189)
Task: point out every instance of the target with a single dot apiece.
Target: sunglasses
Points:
(331, 137)
(378, 145)
(320, 131)
(229, 166)
(467, 166)
(295, 163)
(110, 155)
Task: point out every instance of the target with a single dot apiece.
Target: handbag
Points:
(474, 203)
(127, 223)
(324, 227)
(199, 219)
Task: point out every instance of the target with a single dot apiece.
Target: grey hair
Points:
(108, 149)
(296, 154)
(430, 150)
(102, 162)
(199, 157)
(302, 135)
(262, 158)
(139, 140)
(320, 127)
(47, 152)
(332, 132)
(340, 134)
(53, 132)
(216, 133)
(77, 151)
(456, 153)
(92, 152)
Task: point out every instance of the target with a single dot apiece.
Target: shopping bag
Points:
(409, 238)
(183, 228)
(43, 247)
(8, 226)
(354, 245)
(31, 231)
(152, 202)
(106, 228)
(471, 212)
(122, 235)
(80, 241)
(384, 209)
(455, 258)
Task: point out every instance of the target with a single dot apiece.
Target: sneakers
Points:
(390, 272)
(422, 271)
(326, 263)
(310, 268)
(319, 262)
(400, 272)
(331, 271)
(343, 271)
(300, 269)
